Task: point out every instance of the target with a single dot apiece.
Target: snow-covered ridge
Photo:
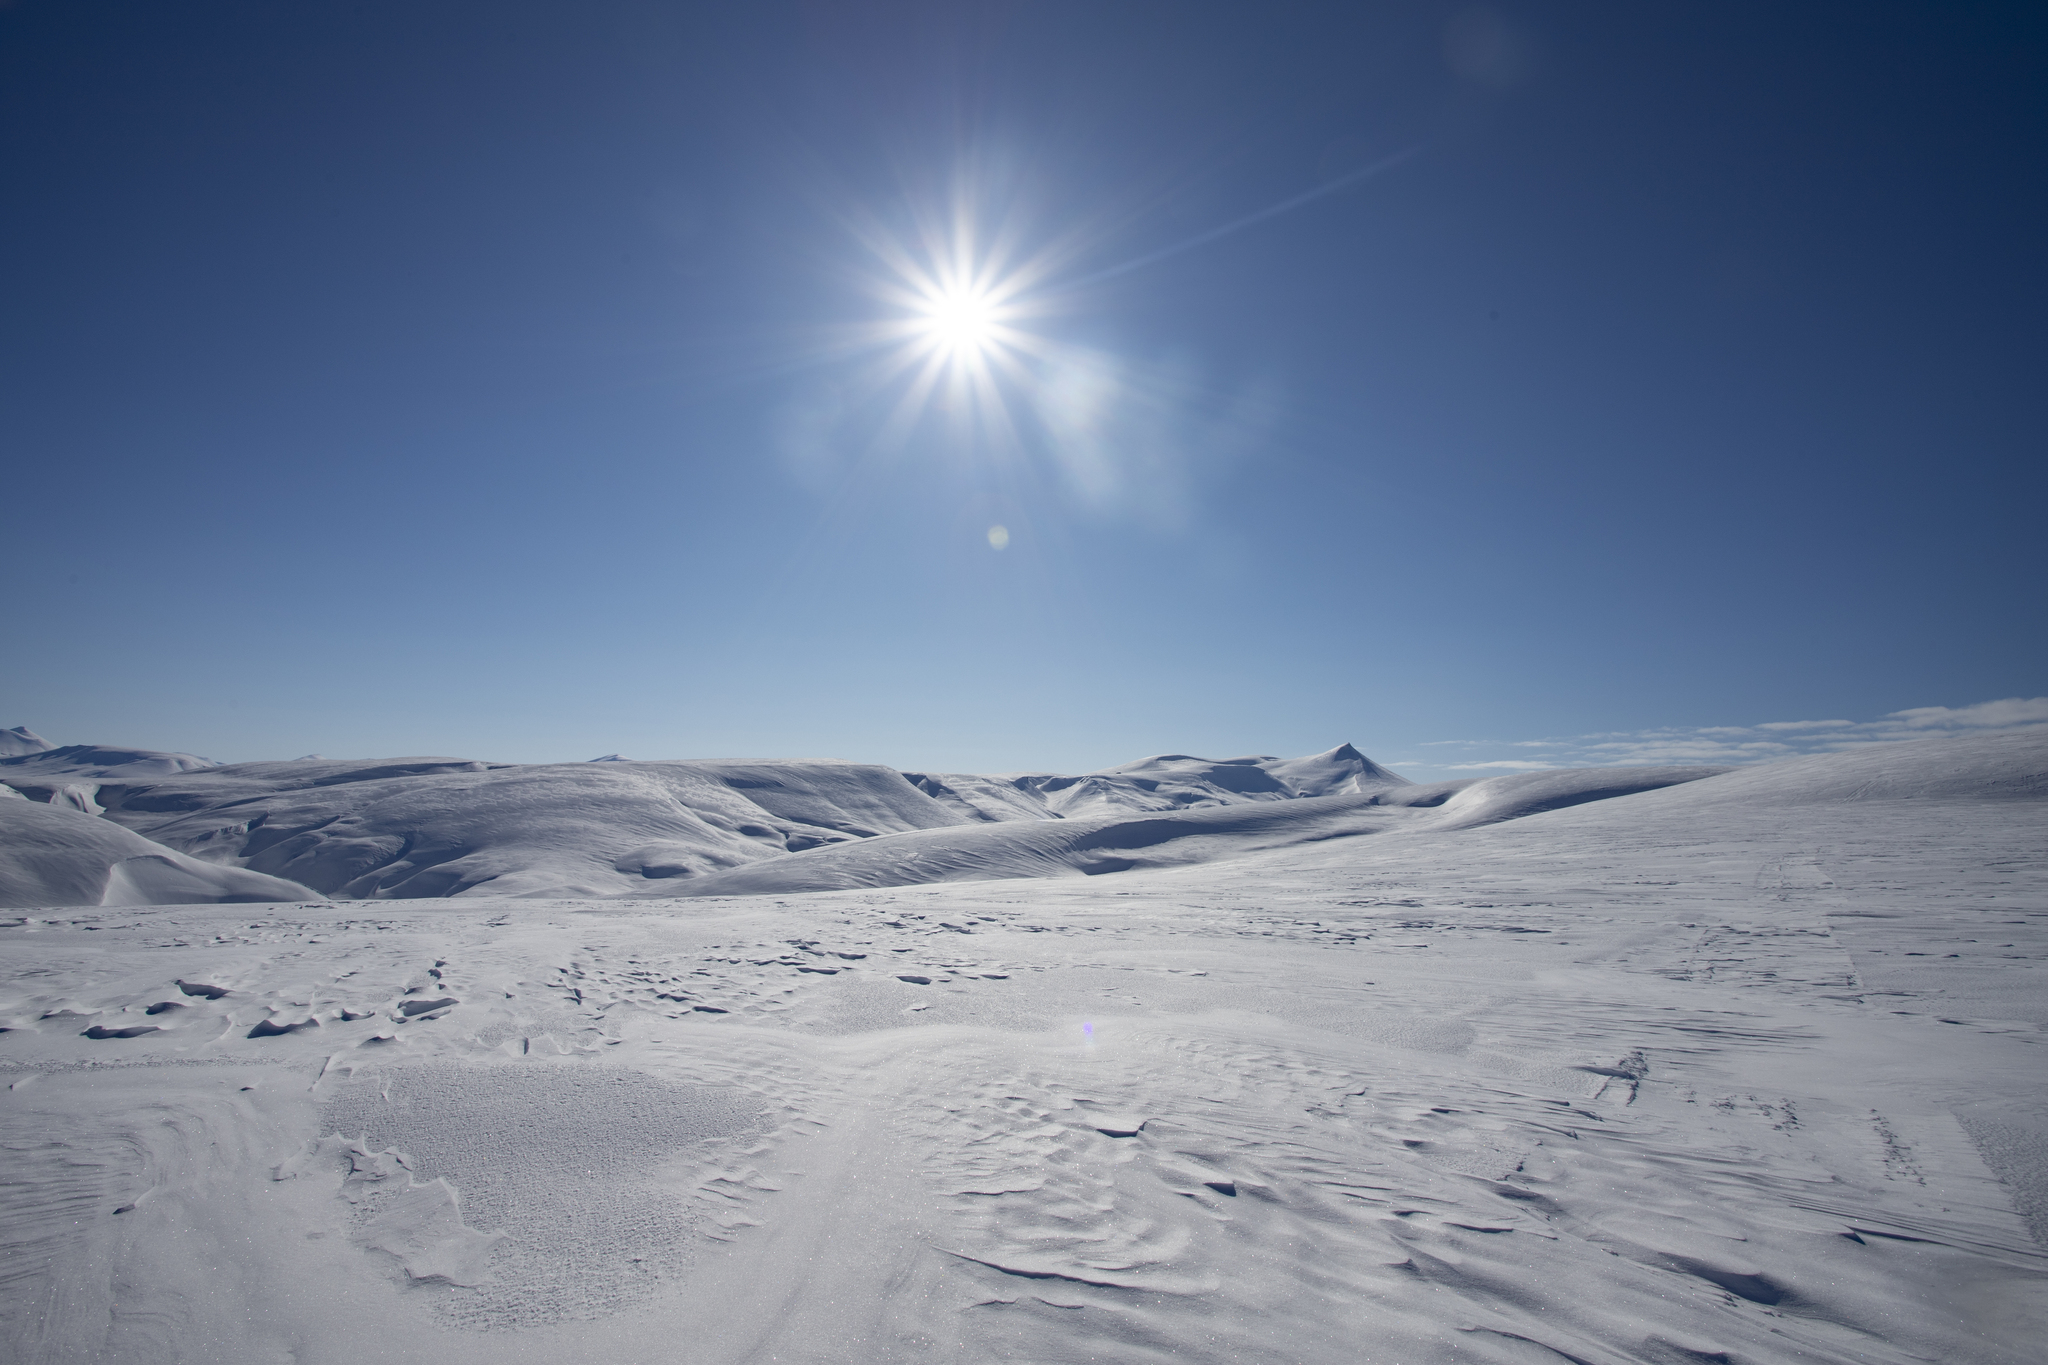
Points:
(440, 826)
(1164, 782)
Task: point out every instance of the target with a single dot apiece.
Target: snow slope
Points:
(1748, 1069)
(55, 855)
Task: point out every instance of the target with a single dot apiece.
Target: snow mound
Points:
(56, 856)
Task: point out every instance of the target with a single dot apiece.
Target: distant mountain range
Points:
(95, 824)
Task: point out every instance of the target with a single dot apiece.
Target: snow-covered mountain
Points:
(434, 827)
(419, 827)
(1164, 782)
(22, 740)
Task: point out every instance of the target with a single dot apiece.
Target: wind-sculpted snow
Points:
(559, 1173)
(1747, 1069)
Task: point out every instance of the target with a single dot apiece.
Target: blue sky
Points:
(523, 381)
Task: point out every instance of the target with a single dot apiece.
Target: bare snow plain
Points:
(1247, 1061)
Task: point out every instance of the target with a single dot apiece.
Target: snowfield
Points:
(1258, 1060)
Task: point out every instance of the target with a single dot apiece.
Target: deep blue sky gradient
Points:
(460, 378)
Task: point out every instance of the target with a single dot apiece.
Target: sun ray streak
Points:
(1287, 205)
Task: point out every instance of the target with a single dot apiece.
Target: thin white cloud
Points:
(1985, 715)
(1805, 724)
(1497, 763)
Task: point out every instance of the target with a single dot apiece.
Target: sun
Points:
(962, 321)
(955, 340)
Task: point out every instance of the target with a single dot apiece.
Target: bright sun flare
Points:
(961, 322)
(955, 337)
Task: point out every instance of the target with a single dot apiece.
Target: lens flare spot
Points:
(999, 537)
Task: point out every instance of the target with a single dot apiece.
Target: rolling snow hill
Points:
(56, 855)
(431, 827)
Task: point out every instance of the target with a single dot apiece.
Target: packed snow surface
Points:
(1602, 1067)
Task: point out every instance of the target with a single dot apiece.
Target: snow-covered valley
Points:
(1248, 1061)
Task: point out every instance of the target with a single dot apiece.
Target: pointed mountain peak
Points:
(22, 740)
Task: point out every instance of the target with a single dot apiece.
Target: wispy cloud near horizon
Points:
(1736, 744)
